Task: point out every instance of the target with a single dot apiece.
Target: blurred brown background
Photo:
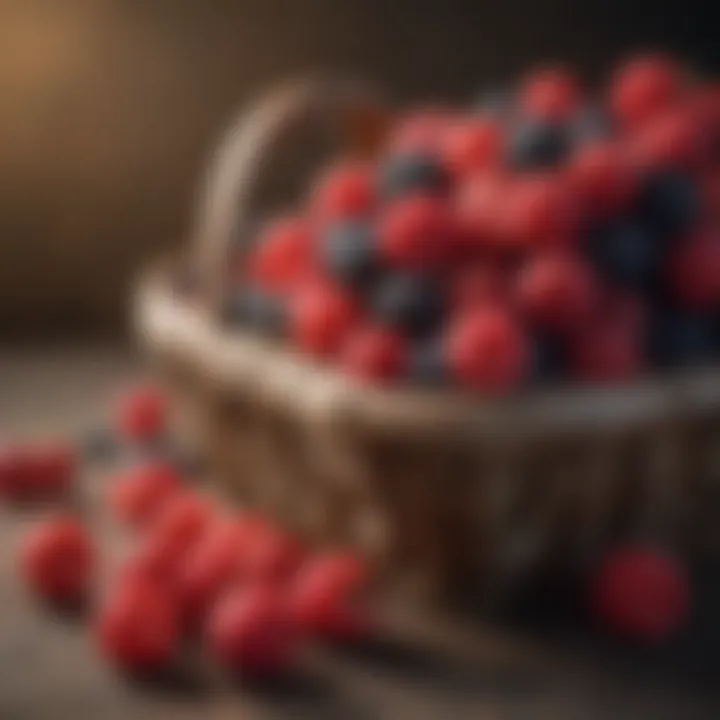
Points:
(109, 107)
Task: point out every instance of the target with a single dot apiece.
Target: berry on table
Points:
(345, 191)
(15, 473)
(53, 466)
(537, 145)
(412, 173)
(482, 283)
(550, 94)
(473, 145)
(349, 251)
(270, 555)
(142, 413)
(374, 353)
(478, 204)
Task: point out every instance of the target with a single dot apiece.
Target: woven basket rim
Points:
(240, 362)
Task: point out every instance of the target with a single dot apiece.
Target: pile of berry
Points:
(548, 233)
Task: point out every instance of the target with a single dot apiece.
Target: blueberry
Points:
(548, 361)
(537, 144)
(349, 253)
(670, 203)
(589, 124)
(412, 303)
(625, 253)
(411, 172)
(426, 364)
(256, 308)
(681, 339)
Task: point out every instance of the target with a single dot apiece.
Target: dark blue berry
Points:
(412, 172)
(548, 361)
(669, 203)
(537, 144)
(625, 253)
(426, 364)
(412, 303)
(679, 339)
(257, 309)
(349, 253)
(589, 125)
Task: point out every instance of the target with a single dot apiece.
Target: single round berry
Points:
(250, 632)
(479, 208)
(641, 592)
(416, 233)
(58, 560)
(54, 466)
(682, 339)
(411, 173)
(427, 364)
(271, 555)
(142, 413)
(625, 253)
(557, 290)
(410, 302)
(350, 253)
(550, 94)
(694, 270)
(136, 627)
(674, 140)
(13, 472)
(537, 145)
(257, 308)
(644, 87)
(473, 145)
(321, 316)
(487, 350)
(483, 283)
(376, 354)
(669, 202)
(344, 192)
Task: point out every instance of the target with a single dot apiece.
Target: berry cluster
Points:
(547, 233)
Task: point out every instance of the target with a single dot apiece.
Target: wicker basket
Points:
(436, 487)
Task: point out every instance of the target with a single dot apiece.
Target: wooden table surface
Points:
(424, 668)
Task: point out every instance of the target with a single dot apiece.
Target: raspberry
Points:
(602, 178)
(486, 350)
(321, 316)
(644, 87)
(694, 269)
(250, 632)
(415, 233)
(551, 94)
(540, 211)
(136, 627)
(557, 290)
(138, 497)
(142, 413)
(641, 592)
(53, 469)
(282, 255)
(58, 560)
(375, 354)
(478, 207)
(473, 145)
(344, 192)
(17, 480)
(271, 555)
(483, 283)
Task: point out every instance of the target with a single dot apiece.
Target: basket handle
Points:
(350, 111)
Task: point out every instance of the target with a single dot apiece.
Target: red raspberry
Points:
(136, 627)
(374, 354)
(422, 131)
(53, 469)
(602, 177)
(641, 592)
(487, 350)
(282, 255)
(551, 94)
(58, 560)
(479, 207)
(324, 599)
(345, 191)
(416, 232)
(249, 631)
(16, 474)
(321, 316)
(473, 145)
(540, 211)
(481, 284)
(142, 413)
(557, 290)
(271, 555)
(139, 497)
(694, 269)
(645, 87)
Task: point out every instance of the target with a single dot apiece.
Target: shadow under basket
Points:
(440, 490)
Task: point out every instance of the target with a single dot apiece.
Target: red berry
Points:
(58, 560)
(487, 350)
(15, 473)
(53, 469)
(322, 315)
(641, 592)
(142, 413)
(249, 631)
(421, 131)
(694, 269)
(478, 207)
(557, 290)
(602, 178)
(551, 94)
(282, 254)
(344, 192)
(374, 354)
(136, 627)
(270, 555)
(643, 88)
(416, 232)
(480, 284)
(473, 145)
(138, 497)
(540, 211)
